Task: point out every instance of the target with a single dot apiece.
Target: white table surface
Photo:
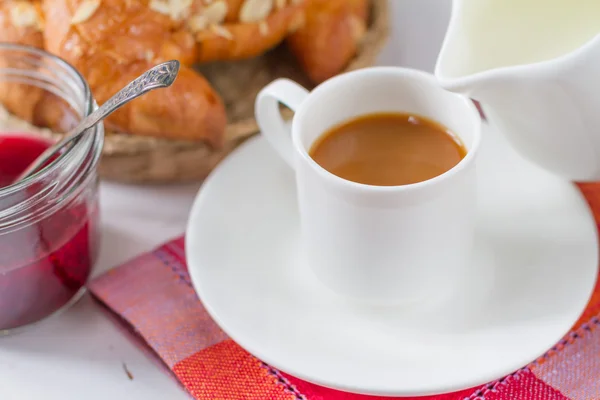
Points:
(80, 354)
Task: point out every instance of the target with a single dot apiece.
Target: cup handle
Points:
(268, 117)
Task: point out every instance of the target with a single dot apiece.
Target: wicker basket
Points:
(137, 159)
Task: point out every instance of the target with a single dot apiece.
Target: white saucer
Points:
(533, 273)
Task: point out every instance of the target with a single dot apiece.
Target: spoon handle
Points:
(161, 76)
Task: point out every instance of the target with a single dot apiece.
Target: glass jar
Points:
(49, 221)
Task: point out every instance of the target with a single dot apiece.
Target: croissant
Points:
(329, 37)
(110, 42)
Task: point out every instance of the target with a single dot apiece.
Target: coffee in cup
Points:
(388, 149)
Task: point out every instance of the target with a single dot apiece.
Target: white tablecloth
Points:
(81, 354)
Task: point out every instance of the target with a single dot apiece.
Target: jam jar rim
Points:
(89, 107)
(91, 146)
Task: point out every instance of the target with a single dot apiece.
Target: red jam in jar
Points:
(44, 263)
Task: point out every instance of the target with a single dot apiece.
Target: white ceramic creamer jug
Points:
(535, 67)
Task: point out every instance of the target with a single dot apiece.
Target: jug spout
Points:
(545, 102)
(464, 64)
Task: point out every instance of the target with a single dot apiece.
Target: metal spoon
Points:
(161, 76)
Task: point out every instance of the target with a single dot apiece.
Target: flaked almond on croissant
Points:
(110, 42)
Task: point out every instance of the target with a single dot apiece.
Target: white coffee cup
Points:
(379, 244)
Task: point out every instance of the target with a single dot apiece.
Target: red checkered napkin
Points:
(164, 310)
